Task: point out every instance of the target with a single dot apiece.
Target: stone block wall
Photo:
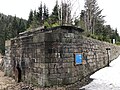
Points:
(28, 54)
(6, 66)
(46, 57)
(60, 58)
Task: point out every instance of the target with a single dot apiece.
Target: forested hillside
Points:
(9, 28)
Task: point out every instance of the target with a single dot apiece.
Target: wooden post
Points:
(108, 56)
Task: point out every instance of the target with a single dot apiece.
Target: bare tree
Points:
(92, 14)
(66, 12)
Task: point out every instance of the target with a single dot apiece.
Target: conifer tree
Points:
(40, 14)
(45, 13)
(14, 27)
(22, 26)
(9, 28)
(55, 14)
(30, 19)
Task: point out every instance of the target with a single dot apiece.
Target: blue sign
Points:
(78, 58)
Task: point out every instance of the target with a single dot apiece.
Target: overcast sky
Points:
(21, 8)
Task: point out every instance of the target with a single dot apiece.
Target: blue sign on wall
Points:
(78, 58)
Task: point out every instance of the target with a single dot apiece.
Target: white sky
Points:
(21, 8)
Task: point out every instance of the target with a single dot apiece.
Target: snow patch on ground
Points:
(107, 78)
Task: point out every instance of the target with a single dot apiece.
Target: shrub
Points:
(117, 43)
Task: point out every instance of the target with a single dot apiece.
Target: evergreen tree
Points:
(35, 22)
(22, 26)
(55, 14)
(40, 15)
(30, 19)
(9, 28)
(37, 19)
(9, 31)
(45, 13)
(15, 27)
(2, 34)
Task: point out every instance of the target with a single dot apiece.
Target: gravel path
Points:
(5, 81)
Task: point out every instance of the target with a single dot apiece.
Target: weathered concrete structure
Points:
(6, 63)
(46, 57)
